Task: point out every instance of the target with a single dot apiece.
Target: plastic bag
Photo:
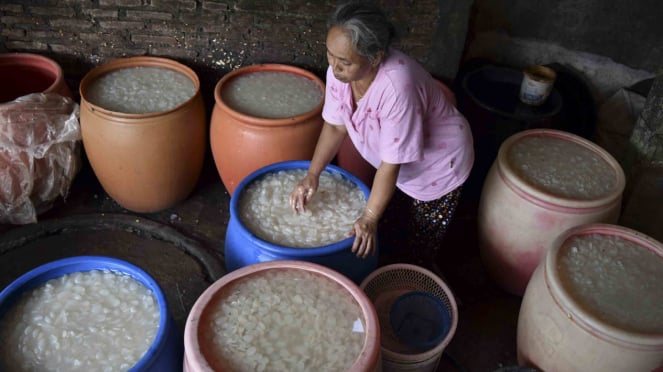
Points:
(39, 154)
(616, 119)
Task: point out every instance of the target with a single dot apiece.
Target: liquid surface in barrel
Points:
(140, 90)
(615, 279)
(561, 167)
(265, 210)
(96, 320)
(271, 94)
(284, 320)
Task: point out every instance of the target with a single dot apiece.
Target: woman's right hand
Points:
(303, 193)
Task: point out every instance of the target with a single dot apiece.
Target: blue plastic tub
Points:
(167, 350)
(242, 248)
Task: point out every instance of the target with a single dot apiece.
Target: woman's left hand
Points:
(365, 231)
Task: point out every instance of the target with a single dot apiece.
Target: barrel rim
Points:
(509, 75)
(370, 353)
(550, 200)
(268, 122)
(137, 61)
(36, 61)
(281, 250)
(55, 269)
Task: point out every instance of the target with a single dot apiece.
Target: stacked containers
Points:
(39, 136)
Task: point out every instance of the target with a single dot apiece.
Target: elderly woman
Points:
(399, 121)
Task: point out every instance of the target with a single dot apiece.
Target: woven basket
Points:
(383, 287)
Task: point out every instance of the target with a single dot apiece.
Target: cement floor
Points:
(485, 339)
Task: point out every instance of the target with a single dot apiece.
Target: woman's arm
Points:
(329, 142)
(366, 227)
(383, 188)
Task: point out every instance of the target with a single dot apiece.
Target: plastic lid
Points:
(419, 320)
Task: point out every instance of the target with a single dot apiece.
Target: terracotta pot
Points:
(557, 332)
(349, 158)
(517, 220)
(41, 155)
(146, 162)
(242, 143)
(198, 352)
(25, 73)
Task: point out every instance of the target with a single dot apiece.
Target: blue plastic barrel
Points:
(242, 248)
(166, 352)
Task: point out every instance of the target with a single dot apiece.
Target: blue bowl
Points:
(243, 248)
(166, 352)
(419, 320)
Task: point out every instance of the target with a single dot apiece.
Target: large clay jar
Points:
(146, 162)
(518, 219)
(570, 321)
(25, 73)
(243, 143)
(349, 158)
(39, 149)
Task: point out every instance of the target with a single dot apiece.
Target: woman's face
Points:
(346, 63)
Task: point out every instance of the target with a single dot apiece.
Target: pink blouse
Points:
(404, 118)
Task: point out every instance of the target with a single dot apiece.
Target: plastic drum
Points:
(202, 352)
(166, 352)
(243, 248)
(519, 216)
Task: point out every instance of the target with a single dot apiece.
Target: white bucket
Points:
(537, 84)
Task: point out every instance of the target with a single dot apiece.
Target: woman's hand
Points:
(328, 144)
(303, 193)
(365, 231)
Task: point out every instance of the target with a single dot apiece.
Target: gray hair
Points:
(368, 27)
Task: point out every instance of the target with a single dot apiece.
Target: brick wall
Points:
(210, 36)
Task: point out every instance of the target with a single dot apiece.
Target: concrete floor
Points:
(182, 247)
